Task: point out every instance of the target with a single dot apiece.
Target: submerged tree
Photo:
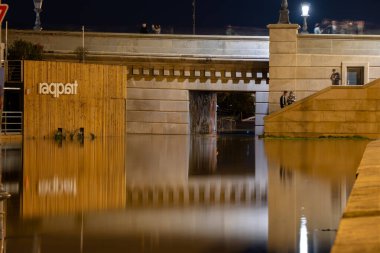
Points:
(25, 50)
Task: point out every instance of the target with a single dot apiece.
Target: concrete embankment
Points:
(359, 229)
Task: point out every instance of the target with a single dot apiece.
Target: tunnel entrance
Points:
(222, 112)
(236, 112)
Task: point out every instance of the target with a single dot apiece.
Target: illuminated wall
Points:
(73, 96)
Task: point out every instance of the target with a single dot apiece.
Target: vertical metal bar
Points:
(22, 71)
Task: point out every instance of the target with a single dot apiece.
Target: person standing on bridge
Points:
(291, 98)
(335, 77)
(283, 99)
(144, 28)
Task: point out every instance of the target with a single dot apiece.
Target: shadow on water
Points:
(156, 193)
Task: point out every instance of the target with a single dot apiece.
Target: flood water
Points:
(151, 193)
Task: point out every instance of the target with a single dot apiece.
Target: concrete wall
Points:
(334, 111)
(160, 104)
(149, 45)
(304, 62)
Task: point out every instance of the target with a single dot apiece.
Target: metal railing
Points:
(14, 71)
(11, 122)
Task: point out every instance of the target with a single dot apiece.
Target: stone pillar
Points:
(282, 61)
(261, 110)
(202, 112)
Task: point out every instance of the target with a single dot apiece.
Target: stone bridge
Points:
(165, 70)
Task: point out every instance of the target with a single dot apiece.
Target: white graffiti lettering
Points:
(57, 89)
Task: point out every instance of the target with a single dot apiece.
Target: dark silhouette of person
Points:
(283, 99)
(291, 98)
(335, 77)
(144, 28)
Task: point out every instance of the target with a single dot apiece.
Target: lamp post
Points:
(305, 13)
(37, 10)
(284, 13)
(193, 16)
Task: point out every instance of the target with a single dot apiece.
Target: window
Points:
(355, 73)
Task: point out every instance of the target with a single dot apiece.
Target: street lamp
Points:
(37, 10)
(305, 13)
(284, 13)
(193, 16)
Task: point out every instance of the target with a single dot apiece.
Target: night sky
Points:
(209, 13)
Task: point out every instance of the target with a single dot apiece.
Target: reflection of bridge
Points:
(199, 191)
(165, 69)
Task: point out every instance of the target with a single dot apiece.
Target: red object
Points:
(3, 11)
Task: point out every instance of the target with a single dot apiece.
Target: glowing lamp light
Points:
(305, 7)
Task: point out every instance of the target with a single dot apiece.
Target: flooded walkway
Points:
(176, 194)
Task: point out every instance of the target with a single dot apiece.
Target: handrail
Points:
(11, 122)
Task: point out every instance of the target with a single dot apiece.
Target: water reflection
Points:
(176, 193)
(308, 179)
(72, 178)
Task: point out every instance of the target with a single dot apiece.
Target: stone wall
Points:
(361, 219)
(334, 111)
(148, 45)
(304, 62)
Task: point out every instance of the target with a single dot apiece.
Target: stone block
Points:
(283, 72)
(157, 94)
(283, 60)
(259, 119)
(146, 72)
(276, 127)
(177, 72)
(167, 72)
(283, 34)
(312, 43)
(197, 73)
(218, 74)
(136, 71)
(280, 85)
(248, 74)
(302, 116)
(300, 127)
(207, 73)
(323, 128)
(187, 73)
(238, 74)
(156, 72)
(259, 130)
(312, 85)
(314, 72)
(158, 117)
(157, 128)
(157, 105)
(283, 48)
(227, 74)
(262, 97)
(273, 107)
(304, 60)
(262, 108)
(333, 116)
